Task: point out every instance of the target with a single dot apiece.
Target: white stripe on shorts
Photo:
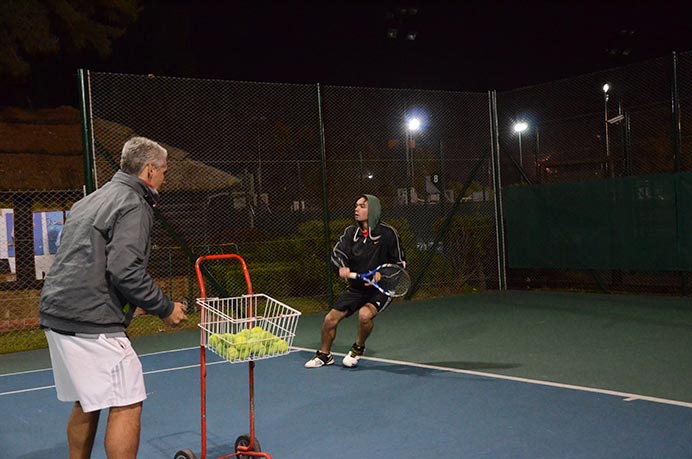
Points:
(99, 372)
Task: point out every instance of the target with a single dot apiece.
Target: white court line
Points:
(165, 370)
(141, 355)
(628, 397)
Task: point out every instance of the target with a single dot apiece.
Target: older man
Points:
(97, 281)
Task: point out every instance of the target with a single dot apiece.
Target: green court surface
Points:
(639, 345)
(634, 344)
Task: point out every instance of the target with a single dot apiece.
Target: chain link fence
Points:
(272, 172)
(606, 125)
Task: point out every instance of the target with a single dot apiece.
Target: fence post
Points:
(85, 115)
(675, 111)
(497, 188)
(325, 199)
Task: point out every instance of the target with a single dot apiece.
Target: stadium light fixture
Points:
(413, 124)
(521, 126)
(606, 88)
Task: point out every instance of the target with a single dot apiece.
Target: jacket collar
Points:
(148, 193)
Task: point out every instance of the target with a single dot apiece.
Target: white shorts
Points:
(99, 371)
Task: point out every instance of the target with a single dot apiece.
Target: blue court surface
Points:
(381, 409)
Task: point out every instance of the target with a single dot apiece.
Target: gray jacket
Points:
(99, 274)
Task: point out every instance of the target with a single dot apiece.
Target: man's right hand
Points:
(177, 316)
(344, 272)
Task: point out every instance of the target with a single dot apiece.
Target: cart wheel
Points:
(244, 440)
(185, 454)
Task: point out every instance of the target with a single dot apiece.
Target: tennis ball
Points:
(258, 349)
(278, 347)
(239, 339)
(213, 341)
(244, 352)
(271, 349)
(256, 331)
(244, 332)
(231, 353)
(282, 346)
(227, 340)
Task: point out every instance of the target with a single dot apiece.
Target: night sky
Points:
(461, 46)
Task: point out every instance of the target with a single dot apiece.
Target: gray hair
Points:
(140, 151)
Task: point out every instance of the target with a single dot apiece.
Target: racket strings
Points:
(395, 280)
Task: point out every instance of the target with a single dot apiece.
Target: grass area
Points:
(31, 339)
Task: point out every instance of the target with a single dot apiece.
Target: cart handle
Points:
(227, 256)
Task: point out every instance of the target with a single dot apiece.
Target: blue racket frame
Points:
(369, 278)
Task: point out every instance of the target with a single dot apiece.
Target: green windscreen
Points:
(629, 223)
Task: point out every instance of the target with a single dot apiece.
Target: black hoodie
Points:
(362, 254)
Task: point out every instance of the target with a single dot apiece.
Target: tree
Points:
(30, 29)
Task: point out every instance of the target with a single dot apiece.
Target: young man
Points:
(90, 294)
(363, 247)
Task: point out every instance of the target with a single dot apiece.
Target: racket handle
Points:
(353, 275)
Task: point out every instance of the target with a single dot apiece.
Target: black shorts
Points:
(352, 300)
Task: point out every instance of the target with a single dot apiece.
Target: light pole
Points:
(535, 157)
(260, 120)
(519, 128)
(606, 88)
(412, 126)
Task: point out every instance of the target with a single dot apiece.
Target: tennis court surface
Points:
(494, 375)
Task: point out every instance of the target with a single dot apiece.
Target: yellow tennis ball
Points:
(282, 346)
(258, 350)
(244, 352)
(231, 353)
(213, 341)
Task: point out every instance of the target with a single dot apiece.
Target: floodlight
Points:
(521, 126)
(413, 124)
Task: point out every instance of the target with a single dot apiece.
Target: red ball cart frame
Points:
(221, 317)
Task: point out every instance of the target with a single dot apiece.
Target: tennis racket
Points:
(390, 279)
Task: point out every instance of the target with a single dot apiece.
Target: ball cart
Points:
(241, 329)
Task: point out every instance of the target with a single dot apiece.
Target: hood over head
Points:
(374, 210)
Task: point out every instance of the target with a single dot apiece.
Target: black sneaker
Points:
(320, 360)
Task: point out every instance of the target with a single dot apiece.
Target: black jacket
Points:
(361, 254)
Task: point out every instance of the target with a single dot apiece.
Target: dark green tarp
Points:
(629, 223)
